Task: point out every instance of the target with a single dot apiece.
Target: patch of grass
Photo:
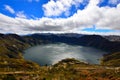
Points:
(111, 59)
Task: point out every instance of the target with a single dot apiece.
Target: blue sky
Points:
(30, 8)
(34, 8)
(60, 15)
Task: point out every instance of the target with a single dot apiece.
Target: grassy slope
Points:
(69, 69)
(11, 58)
(11, 47)
(111, 59)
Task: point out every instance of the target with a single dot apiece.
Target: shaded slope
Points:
(112, 59)
(12, 45)
(95, 41)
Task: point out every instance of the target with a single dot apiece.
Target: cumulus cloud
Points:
(103, 17)
(56, 8)
(21, 14)
(9, 8)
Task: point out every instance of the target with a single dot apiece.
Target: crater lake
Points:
(49, 54)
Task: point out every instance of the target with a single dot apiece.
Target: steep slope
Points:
(95, 41)
(112, 59)
(100, 43)
(12, 45)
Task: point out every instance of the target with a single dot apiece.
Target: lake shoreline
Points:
(57, 52)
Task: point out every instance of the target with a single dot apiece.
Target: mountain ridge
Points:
(96, 41)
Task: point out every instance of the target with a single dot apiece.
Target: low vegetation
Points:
(67, 69)
(112, 59)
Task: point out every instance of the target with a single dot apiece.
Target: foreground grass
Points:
(68, 69)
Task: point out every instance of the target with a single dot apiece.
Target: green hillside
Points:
(112, 59)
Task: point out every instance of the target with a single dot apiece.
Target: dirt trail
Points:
(80, 68)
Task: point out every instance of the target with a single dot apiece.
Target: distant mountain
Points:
(100, 42)
(112, 38)
(106, 43)
(95, 41)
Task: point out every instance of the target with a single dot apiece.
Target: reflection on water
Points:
(52, 53)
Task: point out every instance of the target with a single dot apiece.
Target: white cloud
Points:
(102, 17)
(9, 8)
(56, 8)
(114, 2)
(21, 14)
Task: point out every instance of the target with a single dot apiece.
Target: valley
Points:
(13, 64)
